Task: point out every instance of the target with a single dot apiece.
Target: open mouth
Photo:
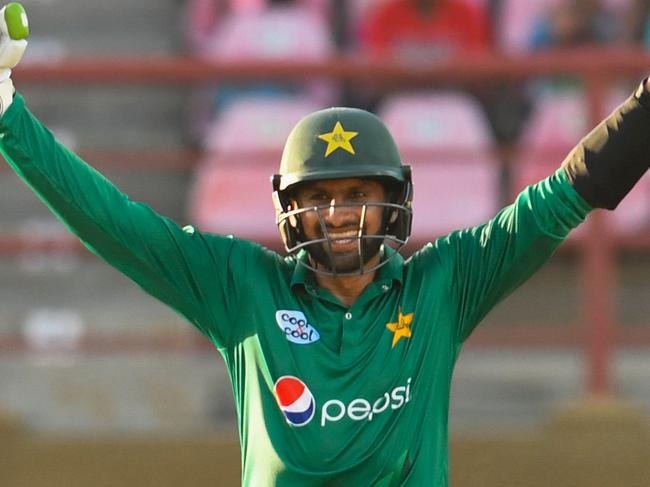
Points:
(344, 240)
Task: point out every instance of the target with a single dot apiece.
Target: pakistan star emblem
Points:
(338, 138)
(401, 328)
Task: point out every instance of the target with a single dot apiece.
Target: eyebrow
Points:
(365, 185)
(314, 187)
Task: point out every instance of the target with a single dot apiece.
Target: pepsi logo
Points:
(295, 400)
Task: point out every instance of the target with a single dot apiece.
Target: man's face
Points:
(341, 222)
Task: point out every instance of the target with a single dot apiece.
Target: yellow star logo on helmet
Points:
(338, 138)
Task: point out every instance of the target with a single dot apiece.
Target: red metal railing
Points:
(599, 331)
(593, 65)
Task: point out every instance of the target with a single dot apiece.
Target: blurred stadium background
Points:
(185, 105)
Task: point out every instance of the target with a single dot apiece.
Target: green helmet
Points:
(341, 143)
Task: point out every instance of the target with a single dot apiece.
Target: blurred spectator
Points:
(424, 31)
(417, 29)
(636, 29)
(575, 23)
(571, 24)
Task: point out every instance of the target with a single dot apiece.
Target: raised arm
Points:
(608, 162)
(190, 271)
(489, 261)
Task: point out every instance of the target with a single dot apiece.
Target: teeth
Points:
(352, 233)
(343, 238)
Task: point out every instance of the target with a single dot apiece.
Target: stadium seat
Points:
(319, 5)
(231, 191)
(247, 5)
(558, 122)
(256, 124)
(446, 138)
(235, 199)
(275, 33)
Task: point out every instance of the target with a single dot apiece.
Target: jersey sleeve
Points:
(193, 273)
(487, 262)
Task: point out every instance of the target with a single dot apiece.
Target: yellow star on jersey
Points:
(402, 328)
(338, 138)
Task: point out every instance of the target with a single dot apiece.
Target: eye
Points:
(358, 195)
(317, 198)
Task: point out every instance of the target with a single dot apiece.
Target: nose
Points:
(339, 216)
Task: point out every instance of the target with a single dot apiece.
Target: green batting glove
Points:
(14, 30)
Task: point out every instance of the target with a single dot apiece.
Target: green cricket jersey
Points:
(326, 395)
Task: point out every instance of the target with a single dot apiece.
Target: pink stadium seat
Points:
(447, 140)
(557, 123)
(295, 33)
(437, 120)
(291, 33)
(249, 5)
(450, 197)
(256, 124)
(234, 197)
(231, 192)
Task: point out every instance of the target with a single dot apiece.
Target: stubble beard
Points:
(344, 262)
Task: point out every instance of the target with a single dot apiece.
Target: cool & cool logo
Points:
(295, 326)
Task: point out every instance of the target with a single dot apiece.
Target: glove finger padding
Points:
(6, 94)
(14, 30)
